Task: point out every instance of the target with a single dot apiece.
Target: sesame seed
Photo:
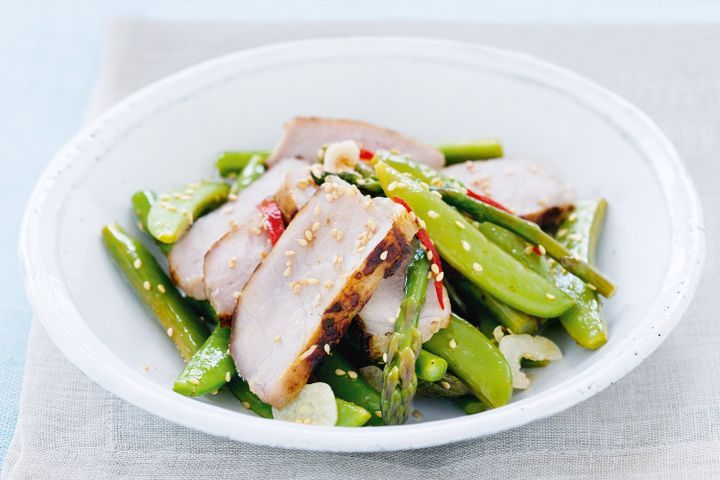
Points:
(146, 285)
(234, 225)
(227, 209)
(237, 294)
(591, 286)
(421, 222)
(328, 284)
(308, 352)
(137, 263)
(572, 217)
(378, 413)
(465, 245)
(295, 288)
(385, 357)
(384, 255)
(302, 242)
(161, 288)
(286, 272)
(436, 182)
(417, 414)
(339, 372)
(445, 385)
(436, 193)
(327, 349)
(433, 214)
(165, 197)
(550, 296)
(541, 249)
(390, 319)
(460, 224)
(263, 254)
(430, 274)
(145, 368)
(575, 237)
(246, 405)
(392, 186)
(315, 227)
(316, 211)
(169, 332)
(194, 381)
(528, 250)
(232, 197)
(452, 344)
(439, 277)
(352, 374)
(477, 267)
(429, 255)
(232, 263)
(228, 376)
(277, 339)
(562, 232)
(308, 235)
(434, 268)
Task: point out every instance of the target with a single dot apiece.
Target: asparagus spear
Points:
(448, 386)
(470, 405)
(429, 367)
(171, 216)
(477, 150)
(229, 163)
(154, 288)
(347, 384)
(579, 233)
(482, 212)
(254, 169)
(399, 378)
(467, 250)
(475, 360)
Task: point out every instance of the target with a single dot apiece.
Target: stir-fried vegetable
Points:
(252, 171)
(477, 150)
(210, 368)
(232, 162)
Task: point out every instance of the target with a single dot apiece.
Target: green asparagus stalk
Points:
(155, 290)
(475, 360)
(477, 150)
(429, 367)
(254, 169)
(482, 212)
(232, 163)
(171, 216)
(579, 234)
(210, 368)
(399, 378)
(470, 405)
(351, 415)
(347, 384)
(448, 386)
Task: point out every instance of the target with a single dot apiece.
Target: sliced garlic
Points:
(314, 405)
(516, 347)
(341, 156)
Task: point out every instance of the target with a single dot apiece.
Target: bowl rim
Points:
(49, 299)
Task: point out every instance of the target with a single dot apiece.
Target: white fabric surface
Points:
(661, 422)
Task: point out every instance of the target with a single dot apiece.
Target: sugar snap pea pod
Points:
(171, 216)
(429, 367)
(467, 250)
(141, 202)
(252, 171)
(516, 321)
(347, 384)
(232, 162)
(449, 386)
(573, 263)
(579, 232)
(152, 285)
(475, 360)
(418, 171)
(399, 377)
(470, 405)
(351, 415)
(366, 185)
(239, 387)
(477, 150)
(516, 246)
(210, 368)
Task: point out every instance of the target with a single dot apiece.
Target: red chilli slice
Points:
(366, 154)
(487, 200)
(425, 240)
(272, 217)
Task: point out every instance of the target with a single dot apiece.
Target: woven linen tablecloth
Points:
(662, 421)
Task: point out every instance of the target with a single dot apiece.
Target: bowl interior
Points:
(438, 94)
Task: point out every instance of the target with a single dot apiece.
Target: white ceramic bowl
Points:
(434, 90)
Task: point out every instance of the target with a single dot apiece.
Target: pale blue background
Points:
(49, 53)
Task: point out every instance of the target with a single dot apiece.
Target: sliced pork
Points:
(304, 136)
(319, 275)
(187, 255)
(527, 188)
(374, 324)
